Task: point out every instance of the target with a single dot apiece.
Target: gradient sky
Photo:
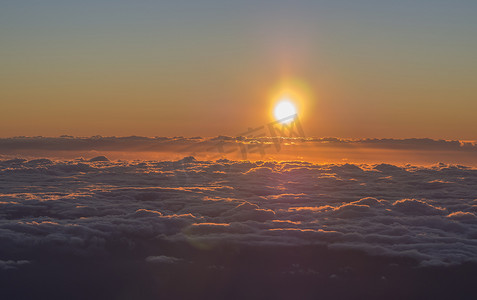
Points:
(161, 68)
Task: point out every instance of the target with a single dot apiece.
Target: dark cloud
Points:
(148, 211)
(156, 143)
(391, 151)
(83, 206)
(11, 264)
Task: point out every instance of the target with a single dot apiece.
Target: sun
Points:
(284, 111)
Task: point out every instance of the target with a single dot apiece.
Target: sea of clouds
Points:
(417, 151)
(82, 207)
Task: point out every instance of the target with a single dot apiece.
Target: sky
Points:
(358, 69)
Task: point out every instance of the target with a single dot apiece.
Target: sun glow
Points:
(289, 98)
(285, 111)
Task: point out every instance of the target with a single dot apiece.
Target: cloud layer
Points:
(86, 208)
(318, 150)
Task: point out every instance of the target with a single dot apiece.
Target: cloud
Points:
(462, 216)
(11, 264)
(95, 208)
(162, 259)
(387, 151)
(417, 207)
(155, 143)
(99, 158)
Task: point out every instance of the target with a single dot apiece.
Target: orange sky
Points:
(391, 70)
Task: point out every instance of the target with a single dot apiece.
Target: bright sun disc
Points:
(285, 111)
